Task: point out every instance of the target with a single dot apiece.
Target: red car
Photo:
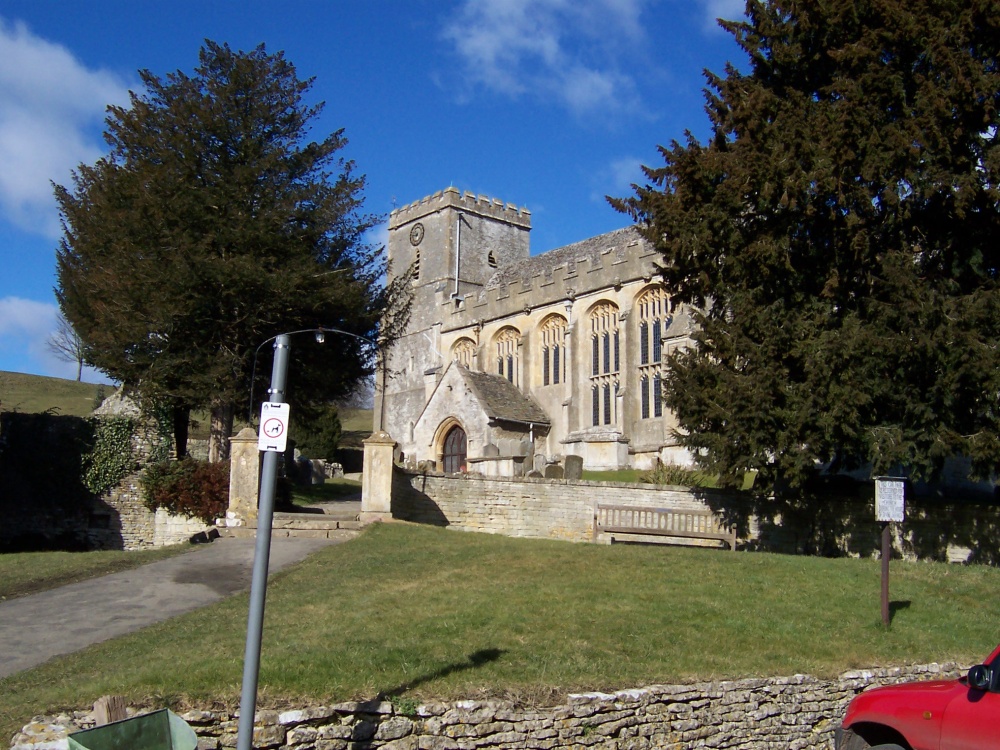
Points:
(962, 714)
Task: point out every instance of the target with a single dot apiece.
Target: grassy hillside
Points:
(33, 394)
(355, 425)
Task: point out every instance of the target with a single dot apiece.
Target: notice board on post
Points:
(890, 501)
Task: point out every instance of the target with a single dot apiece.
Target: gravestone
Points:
(573, 467)
(554, 471)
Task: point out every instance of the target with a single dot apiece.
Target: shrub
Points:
(680, 476)
(188, 487)
(99, 396)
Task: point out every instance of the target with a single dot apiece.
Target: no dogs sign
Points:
(273, 434)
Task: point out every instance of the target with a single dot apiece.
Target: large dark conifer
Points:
(840, 231)
(213, 224)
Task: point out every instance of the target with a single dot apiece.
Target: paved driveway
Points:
(35, 628)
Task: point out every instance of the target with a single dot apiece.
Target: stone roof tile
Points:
(502, 400)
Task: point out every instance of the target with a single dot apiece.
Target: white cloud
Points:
(26, 318)
(25, 328)
(617, 177)
(731, 10)
(569, 51)
(51, 111)
(625, 172)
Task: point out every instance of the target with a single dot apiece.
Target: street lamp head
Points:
(320, 336)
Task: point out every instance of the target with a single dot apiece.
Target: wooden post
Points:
(886, 554)
(109, 708)
(890, 507)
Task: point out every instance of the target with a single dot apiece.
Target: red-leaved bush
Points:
(188, 487)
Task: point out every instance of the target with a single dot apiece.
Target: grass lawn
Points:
(331, 490)
(30, 572)
(426, 612)
(632, 476)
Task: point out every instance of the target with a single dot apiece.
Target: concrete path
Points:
(35, 628)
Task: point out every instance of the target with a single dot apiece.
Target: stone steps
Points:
(332, 525)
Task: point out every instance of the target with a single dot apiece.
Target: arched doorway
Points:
(455, 449)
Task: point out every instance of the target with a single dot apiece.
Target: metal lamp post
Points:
(261, 558)
(262, 548)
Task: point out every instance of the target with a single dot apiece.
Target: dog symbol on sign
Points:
(273, 427)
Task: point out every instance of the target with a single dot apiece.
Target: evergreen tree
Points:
(212, 225)
(838, 234)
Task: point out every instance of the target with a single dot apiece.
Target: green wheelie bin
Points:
(160, 730)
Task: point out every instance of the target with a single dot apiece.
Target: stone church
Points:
(511, 361)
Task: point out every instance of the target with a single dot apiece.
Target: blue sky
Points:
(548, 104)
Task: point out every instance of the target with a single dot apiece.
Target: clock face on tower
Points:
(416, 234)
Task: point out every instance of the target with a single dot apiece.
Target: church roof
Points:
(591, 250)
(502, 400)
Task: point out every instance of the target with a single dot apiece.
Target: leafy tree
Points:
(66, 345)
(837, 235)
(212, 225)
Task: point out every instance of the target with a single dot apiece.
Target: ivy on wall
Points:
(112, 457)
(163, 423)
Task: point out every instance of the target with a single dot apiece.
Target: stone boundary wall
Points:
(935, 529)
(529, 507)
(43, 501)
(792, 713)
(121, 520)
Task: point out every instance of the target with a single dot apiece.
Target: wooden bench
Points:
(631, 521)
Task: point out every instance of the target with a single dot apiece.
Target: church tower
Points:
(454, 242)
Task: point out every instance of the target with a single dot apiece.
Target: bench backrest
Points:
(692, 523)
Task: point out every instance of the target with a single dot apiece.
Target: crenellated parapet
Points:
(481, 205)
(608, 262)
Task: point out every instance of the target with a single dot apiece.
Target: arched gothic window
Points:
(455, 450)
(507, 359)
(553, 330)
(653, 307)
(464, 352)
(605, 344)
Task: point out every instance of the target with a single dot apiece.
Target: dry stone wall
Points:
(44, 504)
(790, 713)
(121, 520)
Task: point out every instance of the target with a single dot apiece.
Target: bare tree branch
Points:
(66, 345)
